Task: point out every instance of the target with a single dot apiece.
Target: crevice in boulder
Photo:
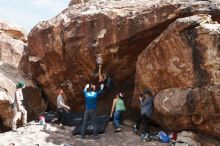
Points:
(130, 48)
(197, 58)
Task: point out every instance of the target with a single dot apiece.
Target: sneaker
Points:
(61, 126)
(14, 130)
(135, 129)
(145, 137)
(118, 130)
(96, 136)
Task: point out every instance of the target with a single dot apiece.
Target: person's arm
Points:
(113, 107)
(101, 78)
(85, 89)
(100, 71)
(100, 91)
(63, 104)
(144, 102)
(17, 100)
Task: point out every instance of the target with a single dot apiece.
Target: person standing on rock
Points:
(118, 108)
(62, 108)
(91, 95)
(19, 107)
(146, 104)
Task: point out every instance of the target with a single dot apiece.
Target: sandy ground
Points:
(51, 135)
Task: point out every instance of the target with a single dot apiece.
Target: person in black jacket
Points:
(146, 104)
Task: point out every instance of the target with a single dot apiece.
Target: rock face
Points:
(12, 48)
(9, 76)
(74, 2)
(13, 30)
(12, 43)
(185, 56)
(198, 109)
(62, 51)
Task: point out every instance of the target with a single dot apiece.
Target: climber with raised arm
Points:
(103, 77)
(62, 108)
(91, 96)
(146, 105)
(18, 106)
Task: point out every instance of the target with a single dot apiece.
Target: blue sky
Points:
(28, 13)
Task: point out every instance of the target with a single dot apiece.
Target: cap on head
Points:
(147, 91)
(20, 84)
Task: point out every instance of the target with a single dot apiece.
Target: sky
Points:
(27, 13)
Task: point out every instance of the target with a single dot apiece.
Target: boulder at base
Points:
(198, 109)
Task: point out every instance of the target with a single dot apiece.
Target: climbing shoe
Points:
(145, 137)
(82, 136)
(96, 136)
(135, 129)
(61, 126)
(118, 130)
(14, 130)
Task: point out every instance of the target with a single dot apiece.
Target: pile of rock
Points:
(12, 49)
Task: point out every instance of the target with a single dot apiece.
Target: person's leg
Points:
(59, 111)
(121, 118)
(24, 114)
(140, 118)
(84, 126)
(93, 120)
(137, 125)
(63, 116)
(15, 118)
(146, 124)
(116, 119)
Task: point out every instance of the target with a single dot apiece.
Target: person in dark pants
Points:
(146, 104)
(91, 95)
(62, 108)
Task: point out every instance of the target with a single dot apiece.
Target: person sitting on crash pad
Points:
(62, 108)
(91, 95)
(146, 104)
(118, 107)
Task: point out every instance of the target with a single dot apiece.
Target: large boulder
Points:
(12, 50)
(13, 30)
(62, 51)
(12, 43)
(186, 54)
(183, 109)
(33, 101)
(182, 66)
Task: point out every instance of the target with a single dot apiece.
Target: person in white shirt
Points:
(62, 108)
(18, 107)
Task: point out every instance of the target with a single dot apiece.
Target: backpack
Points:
(164, 137)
